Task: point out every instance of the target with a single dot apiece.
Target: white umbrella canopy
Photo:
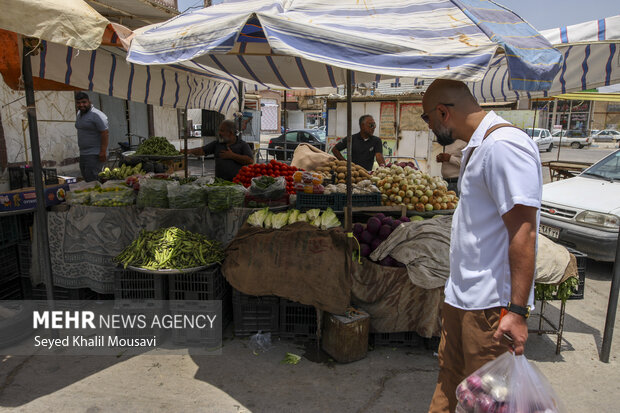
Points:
(311, 43)
(68, 22)
(591, 52)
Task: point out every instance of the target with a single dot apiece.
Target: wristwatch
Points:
(517, 309)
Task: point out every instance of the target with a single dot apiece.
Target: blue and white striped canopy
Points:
(311, 43)
(106, 71)
(591, 53)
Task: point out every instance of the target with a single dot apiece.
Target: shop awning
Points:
(591, 53)
(602, 97)
(309, 43)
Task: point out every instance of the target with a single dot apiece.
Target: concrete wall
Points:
(56, 118)
(165, 122)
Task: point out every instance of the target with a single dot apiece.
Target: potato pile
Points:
(339, 170)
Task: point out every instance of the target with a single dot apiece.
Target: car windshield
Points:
(607, 168)
(533, 133)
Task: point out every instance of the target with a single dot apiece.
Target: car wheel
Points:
(575, 145)
(550, 147)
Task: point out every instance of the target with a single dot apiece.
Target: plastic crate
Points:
(581, 270)
(149, 309)
(297, 321)
(50, 176)
(134, 285)
(10, 283)
(24, 254)
(207, 284)
(25, 223)
(358, 200)
(320, 201)
(258, 202)
(253, 313)
(210, 338)
(17, 177)
(402, 339)
(9, 230)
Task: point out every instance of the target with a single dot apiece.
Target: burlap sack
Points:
(308, 157)
(299, 262)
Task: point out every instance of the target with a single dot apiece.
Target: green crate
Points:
(320, 201)
(358, 200)
(9, 230)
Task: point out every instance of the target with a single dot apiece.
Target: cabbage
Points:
(316, 222)
(268, 220)
(279, 220)
(312, 214)
(258, 217)
(292, 217)
(329, 219)
(302, 217)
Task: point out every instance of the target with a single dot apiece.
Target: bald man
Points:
(493, 241)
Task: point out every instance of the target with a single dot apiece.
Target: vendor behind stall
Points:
(231, 153)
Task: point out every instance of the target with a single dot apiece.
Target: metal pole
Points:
(562, 131)
(611, 308)
(240, 91)
(349, 217)
(43, 247)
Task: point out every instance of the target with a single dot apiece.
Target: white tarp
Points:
(69, 22)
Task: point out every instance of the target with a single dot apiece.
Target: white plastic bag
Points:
(508, 384)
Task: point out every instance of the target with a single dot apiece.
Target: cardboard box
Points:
(66, 179)
(26, 198)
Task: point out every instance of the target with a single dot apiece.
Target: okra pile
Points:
(170, 248)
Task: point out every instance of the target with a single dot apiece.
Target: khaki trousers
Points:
(466, 345)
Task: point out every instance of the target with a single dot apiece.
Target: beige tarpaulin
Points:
(68, 22)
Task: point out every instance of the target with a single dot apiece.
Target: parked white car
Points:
(542, 137)
(584, 212)
(606, 135)
(574, 138)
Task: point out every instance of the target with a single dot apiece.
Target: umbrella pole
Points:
(349, 213)
(43, 247)
(611, 308)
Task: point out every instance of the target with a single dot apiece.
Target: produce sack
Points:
(112, 197)
(299, 262)
(188, 195)
(309, 157)
(268, 187)
(221, 198)
(508, 384)
(113, 183)
(153, 193)
(79, 193)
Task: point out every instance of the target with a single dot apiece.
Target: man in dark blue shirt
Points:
(231, 153)
(365, 147)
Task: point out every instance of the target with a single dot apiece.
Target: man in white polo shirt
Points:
(493, 240)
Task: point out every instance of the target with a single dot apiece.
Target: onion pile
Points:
(414, 189)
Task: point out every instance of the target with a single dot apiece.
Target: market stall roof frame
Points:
(308, 44)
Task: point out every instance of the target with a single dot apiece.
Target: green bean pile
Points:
(157, 145)
(170, 248)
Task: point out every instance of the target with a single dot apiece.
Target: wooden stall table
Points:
(565, 169)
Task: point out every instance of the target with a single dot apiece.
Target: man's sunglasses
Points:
(424, 116)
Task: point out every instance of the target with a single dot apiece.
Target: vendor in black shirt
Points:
(231, 153)
(364, 145)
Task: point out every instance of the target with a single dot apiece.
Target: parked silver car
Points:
(574, 138)
(584, 212)
(542, 137)
(606, 135)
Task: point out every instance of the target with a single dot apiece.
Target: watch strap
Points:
(517, 309)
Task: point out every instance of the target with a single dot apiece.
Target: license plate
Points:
(550, 232)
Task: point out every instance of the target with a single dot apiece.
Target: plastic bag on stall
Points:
(79, 193)
(113, 196)
(260, 342)
(113, 183)
(221, 198)
(268, 187)
(508, 384)
(189, 195)
(153, 193)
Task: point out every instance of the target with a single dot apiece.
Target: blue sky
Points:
(542, 14)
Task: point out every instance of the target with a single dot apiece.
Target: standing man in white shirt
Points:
(450, 161)
(493, 240)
